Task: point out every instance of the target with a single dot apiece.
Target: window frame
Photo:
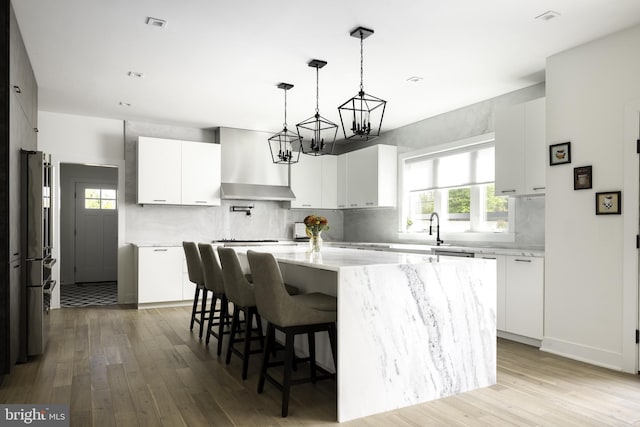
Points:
(467, 236)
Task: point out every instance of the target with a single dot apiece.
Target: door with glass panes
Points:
(96, 232)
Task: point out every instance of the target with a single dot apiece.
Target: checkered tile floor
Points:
(88, 294)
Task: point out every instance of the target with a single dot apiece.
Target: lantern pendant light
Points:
(362, 110)
(317, 134)
(285, 145)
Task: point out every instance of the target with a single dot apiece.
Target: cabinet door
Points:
(362, 178)
(387, 175)
(329, 182)
(200, 174)
(509, 130)
(524, 296)
(22, 79)
(535, 146)
(160, 274)
(342, 181)
(159, 171)
(306, 182)
(501, 289)
(188, 287)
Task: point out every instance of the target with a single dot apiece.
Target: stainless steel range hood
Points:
(234, 191)
(247, 170)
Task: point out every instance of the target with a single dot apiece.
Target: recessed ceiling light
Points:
(135, 74)
(548, 15)
(156, 22)
(414, 79)
(125, 104)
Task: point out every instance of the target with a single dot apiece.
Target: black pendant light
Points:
(317, 134)
(285, 145)
(361, 116)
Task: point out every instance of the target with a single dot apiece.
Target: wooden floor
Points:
(122, 366)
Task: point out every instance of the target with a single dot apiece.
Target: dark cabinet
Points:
(22, 81)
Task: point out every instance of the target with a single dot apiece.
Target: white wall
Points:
(87, 140)
(591, 261)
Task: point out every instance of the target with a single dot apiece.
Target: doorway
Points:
(89, 234)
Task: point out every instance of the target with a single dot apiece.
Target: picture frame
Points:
(582, 178)
(609, 203)
(560, 154)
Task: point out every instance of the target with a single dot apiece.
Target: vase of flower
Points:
(315, 242)
(315, 226)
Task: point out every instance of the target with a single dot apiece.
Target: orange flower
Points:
(315, 224)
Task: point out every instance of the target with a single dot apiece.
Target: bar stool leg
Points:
(248, 328)
(203, 311)
(311, 337)
(212, 312)
(232, 336)
(195, 307)
(266, 355)
(224, 314)
(286, 381)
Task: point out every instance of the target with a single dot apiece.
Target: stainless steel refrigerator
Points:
(37, 246)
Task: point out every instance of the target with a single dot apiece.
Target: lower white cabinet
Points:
(160, 274)
(520, 303)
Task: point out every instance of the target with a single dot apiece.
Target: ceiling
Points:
(217, 63)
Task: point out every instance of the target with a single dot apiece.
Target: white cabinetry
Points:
(371, 177)
(524, 296)
(174, 172)
(520, 149)
(341, 187)
(520, 299)
(314, 182)
(160, 274)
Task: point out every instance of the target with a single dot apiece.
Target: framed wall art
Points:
(609, 203)
(560, 154)
(582, 178)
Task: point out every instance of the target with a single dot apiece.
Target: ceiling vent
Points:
(547, 16)
(135, 74)
(155, 22)
(414, 79)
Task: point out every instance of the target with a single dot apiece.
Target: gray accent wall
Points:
(156, 224)
(381, 225)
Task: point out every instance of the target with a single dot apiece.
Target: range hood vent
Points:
(233, 191)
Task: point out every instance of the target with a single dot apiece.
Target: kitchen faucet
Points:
(438, 240)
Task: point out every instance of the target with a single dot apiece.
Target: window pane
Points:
(91, 193)
(497, 210)
(454, 170)
(109, 194)
(485, 165)
(458, 209)
(108, 204)
(91, 204)
(422, 204)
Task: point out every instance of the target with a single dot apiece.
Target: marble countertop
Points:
(333, 258)
(411, 248)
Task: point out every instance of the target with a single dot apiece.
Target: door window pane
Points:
(97, 198)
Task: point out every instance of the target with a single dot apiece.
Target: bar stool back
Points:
(214, 283)
(240, 292)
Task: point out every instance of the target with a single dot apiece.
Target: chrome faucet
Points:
(438, 240)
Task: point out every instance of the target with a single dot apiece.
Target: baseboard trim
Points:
(164, 304)
(583, 353)
(519, 338)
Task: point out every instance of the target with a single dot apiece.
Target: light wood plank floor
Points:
(128, 367)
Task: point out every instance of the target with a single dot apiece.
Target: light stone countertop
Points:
(332, 258)
(421, 249)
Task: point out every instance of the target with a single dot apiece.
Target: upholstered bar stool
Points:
(293, 315)
(240, 292)
(196, 276)
(213, 282)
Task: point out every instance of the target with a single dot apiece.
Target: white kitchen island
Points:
(411, 328)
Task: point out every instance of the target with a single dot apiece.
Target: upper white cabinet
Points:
(174, 172)
(371, 177)
(520, 149)
(314, 182)
(200, 174)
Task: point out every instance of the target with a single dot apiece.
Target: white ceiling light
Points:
(547, 16)
(155, 22)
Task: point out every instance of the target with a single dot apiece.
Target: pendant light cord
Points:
(317, 90)
(361, 62)
(285, 109)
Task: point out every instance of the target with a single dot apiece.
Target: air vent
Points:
(124, 104)
(155, 22)
(547, 16)
(135, 74)
(414, 79)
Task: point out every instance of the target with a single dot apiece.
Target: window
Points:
(457, 182)
(100, 198)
